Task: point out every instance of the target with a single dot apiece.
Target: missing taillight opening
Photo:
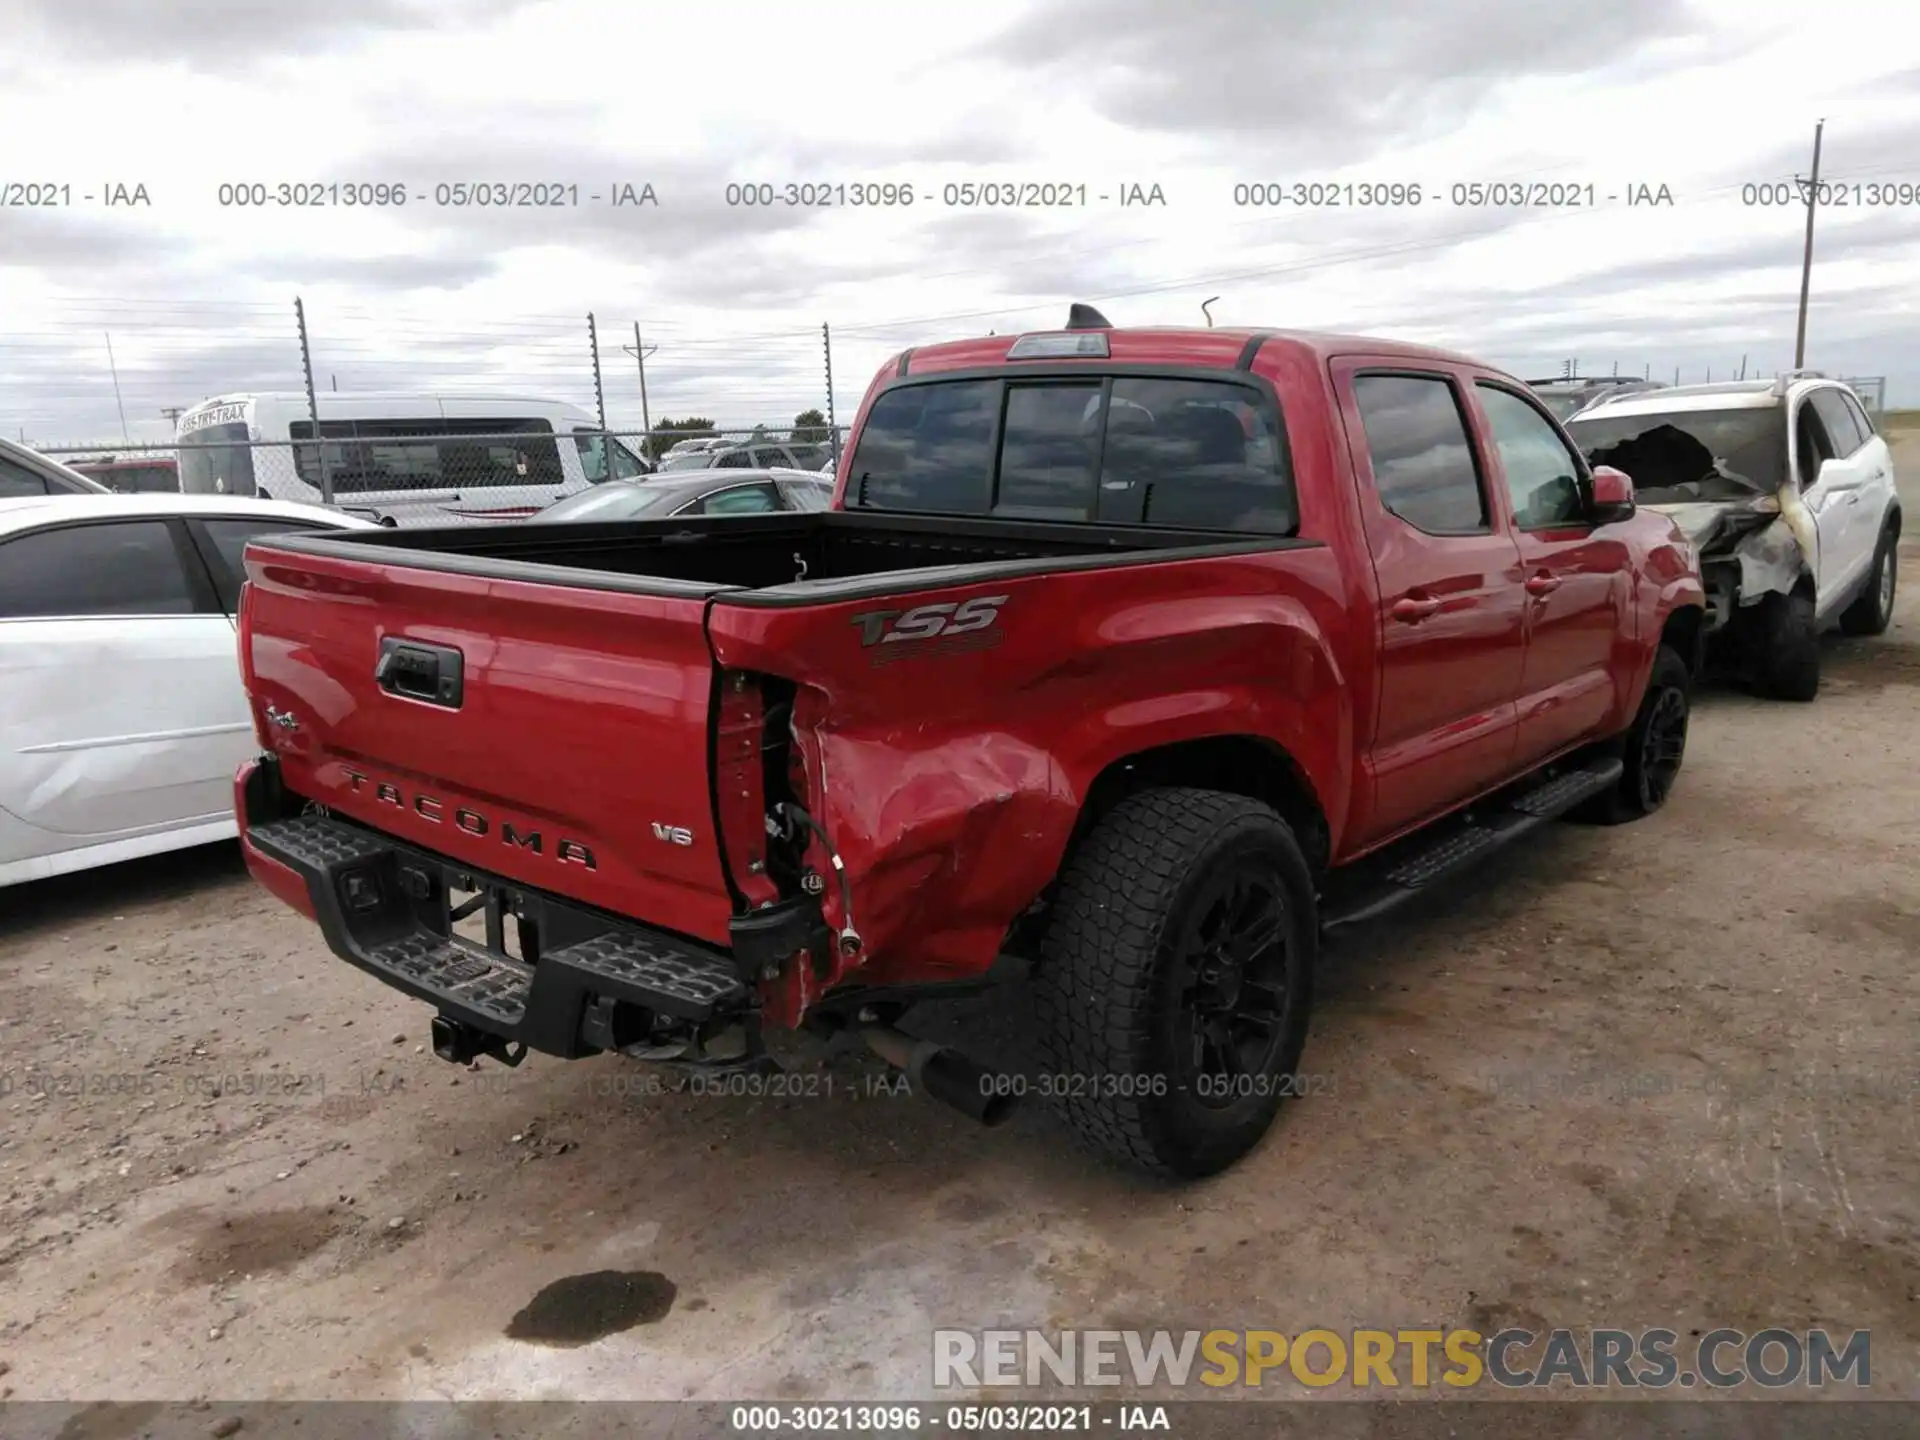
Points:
(784, 782)
(754, 781)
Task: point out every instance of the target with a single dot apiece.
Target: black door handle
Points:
(416, 670)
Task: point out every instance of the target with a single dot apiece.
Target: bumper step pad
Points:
(387, 928)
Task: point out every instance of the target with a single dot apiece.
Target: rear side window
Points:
(805, 494)
(1130, 450)
(17, 482)
(125, 568)
(1422, 461)
(1831, 407)
(1861, 419)
(228, 541)
(740, 500)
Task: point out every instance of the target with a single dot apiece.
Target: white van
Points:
(400, 458)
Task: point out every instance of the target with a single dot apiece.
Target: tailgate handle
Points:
(415, 670)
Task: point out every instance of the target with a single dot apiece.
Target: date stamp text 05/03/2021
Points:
(54, 193)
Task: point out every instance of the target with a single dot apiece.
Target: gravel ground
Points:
(1654, 1075)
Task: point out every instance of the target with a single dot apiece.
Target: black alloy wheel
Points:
(1231, 969)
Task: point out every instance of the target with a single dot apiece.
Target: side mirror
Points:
(1612, 495)
(1833, 472)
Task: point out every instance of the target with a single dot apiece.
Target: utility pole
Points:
(1806, 259)
(115, 371)
(640, 353)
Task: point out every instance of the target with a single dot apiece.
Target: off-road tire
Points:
(1787, 647)
(1644, 750)
(1107, 982)
(1872, 611)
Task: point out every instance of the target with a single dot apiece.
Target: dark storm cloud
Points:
(1342, 80)
(222, 34)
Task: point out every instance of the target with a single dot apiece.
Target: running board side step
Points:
(1413, 867)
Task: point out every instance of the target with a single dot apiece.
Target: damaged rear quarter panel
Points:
(951, 781)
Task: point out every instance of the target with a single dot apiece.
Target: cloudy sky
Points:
(1200, 98)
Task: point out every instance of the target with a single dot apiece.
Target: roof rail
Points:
(1786, 378)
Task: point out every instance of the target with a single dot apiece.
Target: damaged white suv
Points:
(1785, 491)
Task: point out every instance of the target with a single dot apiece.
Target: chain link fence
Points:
(445, 473)
(425, 420)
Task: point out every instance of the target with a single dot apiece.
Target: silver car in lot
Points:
(746, 455)
(122, 713)
(722, 492)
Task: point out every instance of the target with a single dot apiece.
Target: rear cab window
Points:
(1163, 451)
(1422, 455)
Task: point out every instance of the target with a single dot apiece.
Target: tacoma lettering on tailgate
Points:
(472, 822)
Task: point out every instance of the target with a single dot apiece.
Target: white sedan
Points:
(122, 717)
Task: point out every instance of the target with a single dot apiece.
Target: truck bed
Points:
(784, 559)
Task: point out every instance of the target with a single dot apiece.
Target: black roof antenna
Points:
(1085, 317)
(1206, 312)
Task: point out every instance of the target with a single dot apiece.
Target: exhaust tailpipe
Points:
(943, 1074)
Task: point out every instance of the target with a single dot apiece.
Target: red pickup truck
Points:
(1127, 660)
